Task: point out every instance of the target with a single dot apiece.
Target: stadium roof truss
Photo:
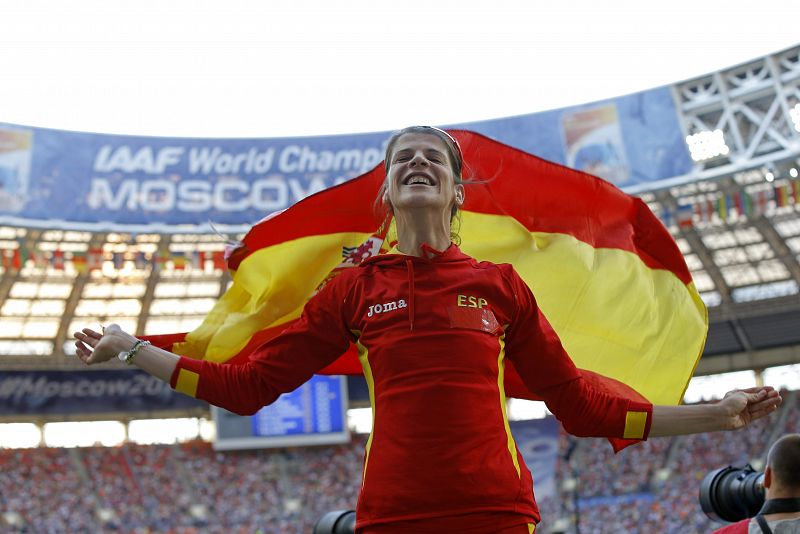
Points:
(742, 240)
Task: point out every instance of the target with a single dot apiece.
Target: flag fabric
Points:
(160, 258)
(20, 256)
(738, 201)
(119, 260)
(685, 219)
(218, 258)
(79, 262)
(666, 217)
(58, 260)
(779, 198)
(709, 210)
(763, 201)
(12, 259)
(39, 258)
(179, 261)
(140, 260)
(94, 259)
(604, 270)
(722, 207)
(784, 189)
(197, 260)
(747, 200)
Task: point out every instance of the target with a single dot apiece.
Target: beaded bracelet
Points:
(127, 357)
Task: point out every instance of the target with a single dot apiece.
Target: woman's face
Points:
(421, 175)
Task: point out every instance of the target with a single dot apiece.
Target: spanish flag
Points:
(604, 270)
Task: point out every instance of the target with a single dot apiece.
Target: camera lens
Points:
(732, 493)
(338, 522)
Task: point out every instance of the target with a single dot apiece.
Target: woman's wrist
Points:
(716, 416)
(122, 341)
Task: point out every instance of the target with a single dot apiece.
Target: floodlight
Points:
(707, 144)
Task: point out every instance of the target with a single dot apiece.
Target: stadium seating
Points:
(189, 487)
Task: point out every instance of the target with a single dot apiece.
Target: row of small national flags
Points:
(94, 258)
(742, 204)
(724, 207)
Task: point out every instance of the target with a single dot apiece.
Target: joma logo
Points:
(375, 309)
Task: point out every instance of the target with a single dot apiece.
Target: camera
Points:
(732, 493)
(338, 522)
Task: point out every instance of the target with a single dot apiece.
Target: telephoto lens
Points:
(732, 493)
(338, 522)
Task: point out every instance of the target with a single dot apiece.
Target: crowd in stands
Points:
(190, 488)
(112, 482)
(286, 490)
(158, 479)
(793, 419)
(45, 491)
(630, 472)
(670, 504)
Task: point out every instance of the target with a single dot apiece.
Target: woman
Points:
(434, 329)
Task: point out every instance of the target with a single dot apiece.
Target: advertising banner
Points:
(87, 392)
(104, 182)
(537, 440)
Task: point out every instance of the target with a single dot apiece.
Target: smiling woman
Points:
(435, 331)
(418, 165)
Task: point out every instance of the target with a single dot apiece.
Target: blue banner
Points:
(628, 141)
(97, 181)
(87, 392)
(616, 500)
(537, 441)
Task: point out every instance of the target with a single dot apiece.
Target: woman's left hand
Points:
(741, 407)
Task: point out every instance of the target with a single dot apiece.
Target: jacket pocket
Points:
(482, 319)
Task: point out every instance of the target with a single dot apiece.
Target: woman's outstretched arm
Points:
(278, 366)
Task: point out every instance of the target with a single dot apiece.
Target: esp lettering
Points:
(468, 301)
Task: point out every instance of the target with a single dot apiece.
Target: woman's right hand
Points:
(97, 347)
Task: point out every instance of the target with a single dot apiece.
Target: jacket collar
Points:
(394, 256)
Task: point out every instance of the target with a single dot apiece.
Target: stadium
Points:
(716, 158)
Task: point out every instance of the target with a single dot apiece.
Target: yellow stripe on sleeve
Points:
(634, 425)
(187, 382)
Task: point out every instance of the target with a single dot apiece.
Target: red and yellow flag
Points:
(604, 270)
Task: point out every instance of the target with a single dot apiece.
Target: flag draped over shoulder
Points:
(604, 270)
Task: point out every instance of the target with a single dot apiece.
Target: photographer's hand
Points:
(736, 410)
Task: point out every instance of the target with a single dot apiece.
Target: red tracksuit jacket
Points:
(434, 336)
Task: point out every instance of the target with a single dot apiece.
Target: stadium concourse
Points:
(724, 182)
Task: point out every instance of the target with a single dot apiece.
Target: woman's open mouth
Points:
(418, 179)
